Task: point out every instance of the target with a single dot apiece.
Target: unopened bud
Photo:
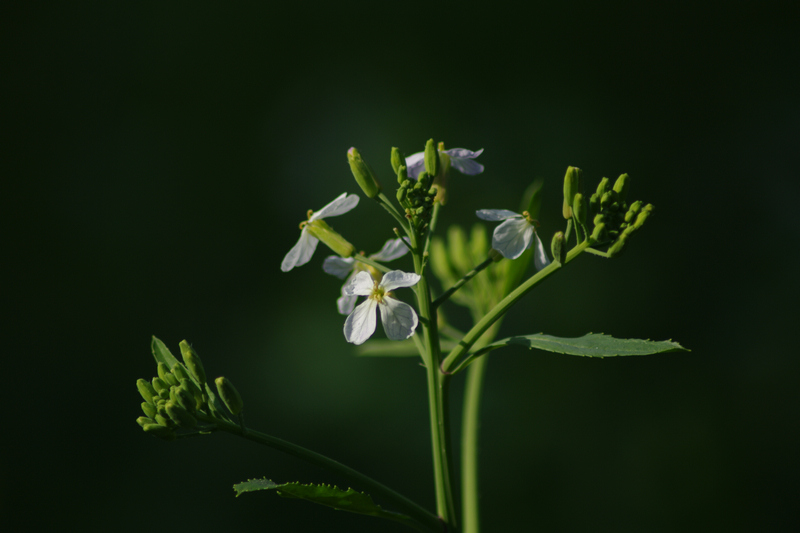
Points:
(572, 184)
(191, 387)
(431, 158)
(193, 362)
(579, 208)
(159, 431)
(149, 409)
(621, 186)
(599, 234)
(144, 420)
(229, 395)
(616, 248)
(164, 421)
(322, 231)
(363, 173)
(146, 390)
(557, 247)
(180, 372)
(602, 187)
(633, 211)
(645, 213)
(160, 385)
(397, 160)
(402, 175)
(180, 416)
(186, 399)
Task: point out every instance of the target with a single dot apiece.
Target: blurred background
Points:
(158, 158)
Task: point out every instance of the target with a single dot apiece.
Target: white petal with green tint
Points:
(341, 205)
(512, 237)
(301, 253)
(360, 324)
(398, 318)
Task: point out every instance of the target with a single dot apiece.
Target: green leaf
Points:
(590, 345)
(387, 348)
(162, 353)
(343, 500)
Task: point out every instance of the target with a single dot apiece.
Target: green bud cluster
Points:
(173, 398)
(614, 220)
(416, 197)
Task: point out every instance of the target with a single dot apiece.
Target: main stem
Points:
(437, 399)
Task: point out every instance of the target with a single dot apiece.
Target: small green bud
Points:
(599, 234)
(621, 186)
(191, 387)
(229, 395)
(164, 421)
(186, 399)
(642, 217)
(160, 385)
(180, 416)
(579, 208)
(363, 174)
(402, 175)
(180, 372)
(431, 158)
(146, 390)
(322, 231)
(633, 211)
(397, 160)
(163, 371)
(557, 247)
(149, 409)
(599, 219)
(402, 192)
(602, 187)
(607, 199)
(144, 420)
(193, 363)
(616, 248)
(572, 185)
(159, 431)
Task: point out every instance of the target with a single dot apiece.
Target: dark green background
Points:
(159, 156)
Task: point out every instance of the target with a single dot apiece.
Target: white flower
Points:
(399, 319)
(515, 235)
(460, 159)
(347, 267)
(301, 253)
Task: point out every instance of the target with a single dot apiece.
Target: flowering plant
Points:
(486, 278)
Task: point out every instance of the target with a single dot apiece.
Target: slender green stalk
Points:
(460, 283)
(386, 204)
(500, 309)
(432, 228)
(437, 399)
(469, 446)
(414, 510)
(367, 261)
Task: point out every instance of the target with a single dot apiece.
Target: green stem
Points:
(386, 204)
(432, 228)
(367, 261)
(418, 513)
(437, 399)
(500, 309)
(568, 232)
(460, 283)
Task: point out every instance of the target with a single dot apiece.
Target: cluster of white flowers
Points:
(516, 234)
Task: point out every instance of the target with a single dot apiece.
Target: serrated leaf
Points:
(161, 353)
(590, 345)
(332, 496)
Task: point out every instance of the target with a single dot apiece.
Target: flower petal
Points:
(338, 266)
(512, 237)
(341, 205)
(540, 259)
(462, 160)
(399, 319)
(397, 279)
(360, 325)
(345, 304)
(415, 164)
(393, 249)
(301, 253)
(361, 285)
(496, 214)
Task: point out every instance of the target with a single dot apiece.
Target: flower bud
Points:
(616, 248)
(599, 234)
(185, 399)
(397, 160)
(363, 174)
(229, 395)
(572, 184)
(191, 387)
(146, 390)
(580, 209)
(557, 247)
(164, 421)
(159, 431)
(149, 409)
(621, 186)
(193, 362)
(180, 416)
(180, 372)
(322, 231)
(163, 370)
(642, 217)
(602, 187)
(431, 158)
(402, 175)
(160, 385)
(633, 210)
(144, 420)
